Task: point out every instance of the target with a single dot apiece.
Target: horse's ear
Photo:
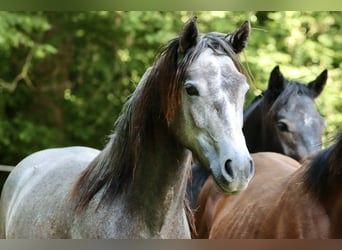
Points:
(318, 84)
(188, 35)
(239, 38)
(276, 81)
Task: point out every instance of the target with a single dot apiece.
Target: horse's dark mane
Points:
(145, 116)
(323, 168)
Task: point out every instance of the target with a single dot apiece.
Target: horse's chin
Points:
(227, 193)
(227, 188)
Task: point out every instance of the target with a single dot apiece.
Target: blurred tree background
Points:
(64, 76)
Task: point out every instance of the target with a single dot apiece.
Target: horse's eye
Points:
(216, 45)
(191, 90)
(282, 126)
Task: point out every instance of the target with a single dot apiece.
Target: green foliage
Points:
(65, 75)
(303, 44)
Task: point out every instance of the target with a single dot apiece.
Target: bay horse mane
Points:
(324, 168)
(145, 119)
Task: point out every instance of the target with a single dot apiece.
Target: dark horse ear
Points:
(188, 36)
(276, 81)
(239, 38)
(318, 84)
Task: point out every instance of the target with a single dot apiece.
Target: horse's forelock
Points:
(213, 39)
(281, 98)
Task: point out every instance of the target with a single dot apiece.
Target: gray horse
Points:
(189, 102)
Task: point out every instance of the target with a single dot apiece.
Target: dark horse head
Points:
(284, 118)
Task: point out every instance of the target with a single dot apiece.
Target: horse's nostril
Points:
(228, 167)
(251, 167)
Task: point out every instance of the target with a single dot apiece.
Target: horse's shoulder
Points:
(56, 162)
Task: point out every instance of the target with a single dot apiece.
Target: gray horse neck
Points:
(158, 188)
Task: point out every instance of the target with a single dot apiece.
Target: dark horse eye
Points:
(191, 90)
(282, 126)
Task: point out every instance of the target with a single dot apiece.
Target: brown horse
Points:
(282, 200)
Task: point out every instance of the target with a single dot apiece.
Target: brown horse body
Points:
(275, 205)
